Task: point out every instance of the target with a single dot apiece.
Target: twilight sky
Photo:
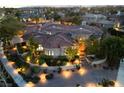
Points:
(22, 3)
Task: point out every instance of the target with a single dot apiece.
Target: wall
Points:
(55, 51)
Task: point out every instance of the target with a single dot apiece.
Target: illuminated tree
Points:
(71, 53)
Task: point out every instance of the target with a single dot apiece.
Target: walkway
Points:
(120, 77)
(11, 71)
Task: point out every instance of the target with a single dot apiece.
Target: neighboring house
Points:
(98, 20)
(119, 19)
(91, 18)
(105, 23)
(16, 40)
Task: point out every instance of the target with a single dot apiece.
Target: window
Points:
(52, 53)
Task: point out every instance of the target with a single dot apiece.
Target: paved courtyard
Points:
(92, 75)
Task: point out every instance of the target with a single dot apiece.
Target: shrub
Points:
(50, 61)
(59, 70)
(49, 76)
(62, 58)
(54, 71)
(41, 61)
(77, 85)
(106, 83)
(35, 69)
(35, 79)
(72, 70)
(26, 77)
(111, 83)
(76, 57)
(77, 67)
(46, 58)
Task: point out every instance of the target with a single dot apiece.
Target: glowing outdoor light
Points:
(117, 84)
(44, 65)
(21, 69)
(10, 63)
(77, 61)
(30, 84)
(66, 74)
(14, 49)
(15, 71)
(24, 47)
(118, 25)
(90, 85)
(37, 61)
(82, 71)
(68, 64)
(28, 59)
(43, 78)
(18, 69)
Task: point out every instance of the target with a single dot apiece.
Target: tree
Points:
(80, 46)
(93, 47)
(114, 50)
(33, 45)
(71, 53)
(77, 20)
(9, 27)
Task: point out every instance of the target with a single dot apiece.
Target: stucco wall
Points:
(55, 51)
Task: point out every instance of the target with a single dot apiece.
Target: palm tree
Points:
(71, 53)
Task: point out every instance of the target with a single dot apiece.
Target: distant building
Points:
(119, 20)
(91, 18)
(97, 20)
(16, 40)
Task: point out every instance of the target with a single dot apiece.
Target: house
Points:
(16, 40)
(55, 38)
(56, 45)
(119, 19)
(105, 23)
(98, 20)
(92, 18)
(53, 45)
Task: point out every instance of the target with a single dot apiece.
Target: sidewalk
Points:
(120, 77)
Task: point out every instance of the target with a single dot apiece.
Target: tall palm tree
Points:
(71, 53)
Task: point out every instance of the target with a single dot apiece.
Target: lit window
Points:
(52, 53)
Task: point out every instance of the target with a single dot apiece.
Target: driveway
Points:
(92, 75)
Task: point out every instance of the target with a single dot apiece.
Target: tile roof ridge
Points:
(65, 39)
